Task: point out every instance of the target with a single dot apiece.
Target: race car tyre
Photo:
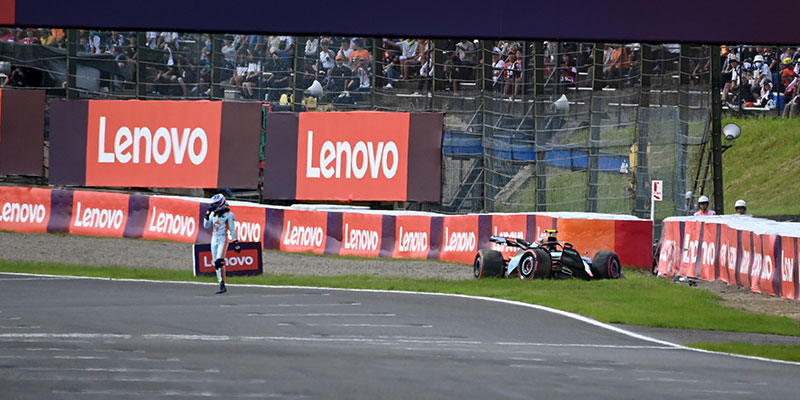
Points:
(545, 267)
(488, 264)
(527, 266)
(606, 265)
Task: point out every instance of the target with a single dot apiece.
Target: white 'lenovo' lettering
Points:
(356, 160)
(459, 241)
(99, 218)
(23, 213)
(158, 147)
(413, 241)
(164, 222)
(308, 236)
(360, 239)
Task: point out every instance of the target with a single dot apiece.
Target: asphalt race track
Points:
(72, 338)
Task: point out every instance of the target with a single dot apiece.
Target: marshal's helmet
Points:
(217, 202)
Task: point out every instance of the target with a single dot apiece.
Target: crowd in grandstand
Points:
(268, 67)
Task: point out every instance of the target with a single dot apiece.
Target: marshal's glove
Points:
(236, 246)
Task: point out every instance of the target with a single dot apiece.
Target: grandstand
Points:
(634, 111)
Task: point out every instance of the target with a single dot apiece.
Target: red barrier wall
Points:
(453, 238)
(710, 250)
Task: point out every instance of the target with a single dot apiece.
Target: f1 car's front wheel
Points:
(535, 264)
(606, 265)
(488, 264)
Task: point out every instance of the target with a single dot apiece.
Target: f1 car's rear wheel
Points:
(488, 264)
(606, 265)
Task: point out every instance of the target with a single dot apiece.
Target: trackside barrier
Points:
(752, 252)
(313, 228)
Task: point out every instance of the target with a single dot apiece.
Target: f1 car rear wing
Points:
(510, 241)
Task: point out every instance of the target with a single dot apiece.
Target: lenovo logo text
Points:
(23, 213)
(459, 241)
(164, 222)
(413, 241)
(130, 143)
(306, 236)
(342, 158)
(99, 218)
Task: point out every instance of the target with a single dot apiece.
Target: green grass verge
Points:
(640, 299)
(776, 352)
(761, 165)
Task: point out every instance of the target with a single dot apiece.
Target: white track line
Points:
(567, 314)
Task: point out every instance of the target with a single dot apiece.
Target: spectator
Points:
(426, 72)
(47, 39)
(733, 83)
(467, 59)
(702, 202)
(7, 35)
(513, 75)
(326, 56)
(229, 50)
(251, 76)
(408, 54)
(765, 95)
(359, 53)
(498, 70)
(30, 37)
(3, 79)
(390, 70)
(787, 74)
(363, 78)
(761, 72)
(339, 78)
(616, 65)
(569, 71)
(450, 74)
(277, 77)
(741, 208)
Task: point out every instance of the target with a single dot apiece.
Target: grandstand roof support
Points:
(716, 128)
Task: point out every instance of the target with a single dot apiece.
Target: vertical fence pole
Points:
(716, 127)
(72, 64)
(684, 73)
(594, 128)
(539, 136)
(640, 166)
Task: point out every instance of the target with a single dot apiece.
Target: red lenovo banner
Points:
(788, 267)
(512, 225)
(452, 238)
(460, 238)
(99, 214)
(133, 143)
(304, 231)
(250, 223)
(24, 209)
(765, 263)
(412, 236)
(22, 131)
(174, 219)
(247, 262)
(353, 156)
(361, 234)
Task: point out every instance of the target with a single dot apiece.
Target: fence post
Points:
(72, 64)
(716, 127)
(594, 128)
(539, 139)
(641, 140)
(683, 126)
